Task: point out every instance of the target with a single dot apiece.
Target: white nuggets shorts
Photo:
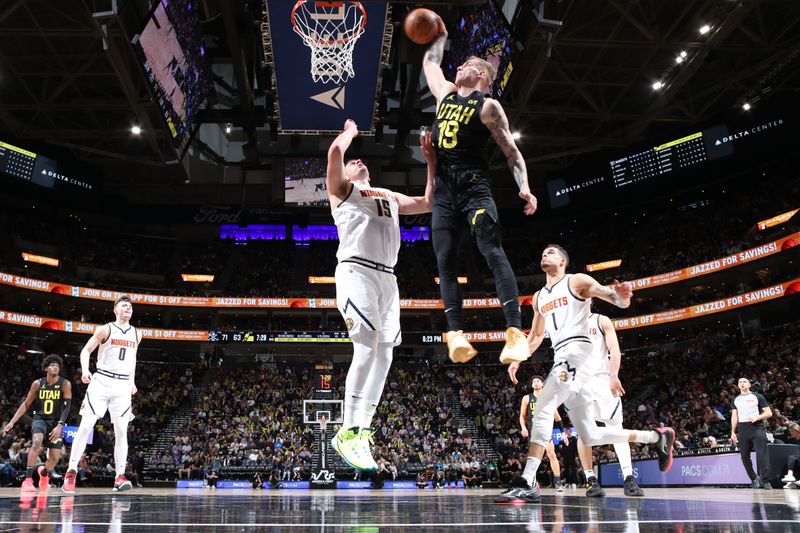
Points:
(573, 367)
(607, 408)
(368, 300)
(107, 394)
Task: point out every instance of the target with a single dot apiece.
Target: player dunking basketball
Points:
(110, 389)
(562, 309)
(51, 398)
(465, 119)
(366, 288)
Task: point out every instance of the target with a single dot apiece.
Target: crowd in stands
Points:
(264, 269)
(247, 418)
(250, 420)
(650, 239)
(431, 421)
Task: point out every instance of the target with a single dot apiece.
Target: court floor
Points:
(195, 510)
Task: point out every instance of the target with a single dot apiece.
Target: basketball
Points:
(422, 25)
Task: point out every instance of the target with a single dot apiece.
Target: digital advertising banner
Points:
(720, 469)
(257, 302)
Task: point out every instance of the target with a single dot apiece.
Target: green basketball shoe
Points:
(353, 446)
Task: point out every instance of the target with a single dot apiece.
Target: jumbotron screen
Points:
(483, 32)
(173, 57)
(304, 181)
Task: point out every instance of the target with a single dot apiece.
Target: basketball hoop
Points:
(331, 30)
(323, 423)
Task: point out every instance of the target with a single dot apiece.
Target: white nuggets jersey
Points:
(117, 354)
(368, 223)
(599, 346)
(566, 317)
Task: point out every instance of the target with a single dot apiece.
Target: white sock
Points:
(648, 437)
(376, 379)
(588, 474)
(623, 452)
(531, 466)
(120, 446)
(355, 399)
(80, 440)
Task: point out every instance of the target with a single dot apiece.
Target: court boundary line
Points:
(409, 524)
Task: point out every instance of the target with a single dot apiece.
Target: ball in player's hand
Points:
(422, 25)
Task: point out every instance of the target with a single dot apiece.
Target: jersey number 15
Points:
(384, 209)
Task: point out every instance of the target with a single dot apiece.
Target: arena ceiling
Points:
(68, 77)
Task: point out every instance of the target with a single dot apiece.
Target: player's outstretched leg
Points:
(353, 441)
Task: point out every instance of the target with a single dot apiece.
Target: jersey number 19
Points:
(448, 131)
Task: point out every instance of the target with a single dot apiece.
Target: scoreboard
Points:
(258, 337)
(36, 168)
(244, 337)
(663, 159)
(671, 157)
(16, 162)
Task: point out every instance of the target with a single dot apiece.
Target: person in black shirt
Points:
(750, 410)
(465, 119)
(569, 449)
(51, 398)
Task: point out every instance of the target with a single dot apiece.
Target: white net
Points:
(331, 30)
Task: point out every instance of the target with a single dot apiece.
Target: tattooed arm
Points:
(494, 117)
(586, 286)
(431, 62)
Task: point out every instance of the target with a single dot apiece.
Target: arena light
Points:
(705, 28)
(322, 280)
(462, 280)
(594, 267)
(683, 54)
(228, 129)
(746, 106)
(136, 130)
(41, 259)
(198, 278)
(657, 85)
(516, 135)
(679, 59)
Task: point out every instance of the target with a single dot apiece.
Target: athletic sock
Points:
(623, 452)
(531, 466)
(648, 437)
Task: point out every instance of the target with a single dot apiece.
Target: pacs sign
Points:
(719, 469)
(317, 89)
